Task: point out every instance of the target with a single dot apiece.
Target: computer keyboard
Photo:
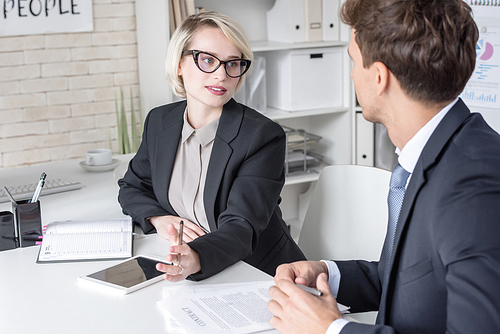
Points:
(26, 191)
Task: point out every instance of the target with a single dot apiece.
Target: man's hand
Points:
(301, 272)
(297, 311)
(191, 230)
(185, 260)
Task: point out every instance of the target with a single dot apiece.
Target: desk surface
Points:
(48, 298)
(97, 199)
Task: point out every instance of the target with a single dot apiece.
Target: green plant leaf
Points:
(124, 125)
(124, 145)
(135, 140)
(118, 127)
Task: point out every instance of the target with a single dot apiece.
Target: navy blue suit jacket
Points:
(242, 190)
(445, 275)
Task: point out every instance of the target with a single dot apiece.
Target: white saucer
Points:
(103, 168)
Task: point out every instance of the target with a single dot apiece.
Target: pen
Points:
(314, 291)
(9, 194)
(28, 238)
(181, 233)
(39, 188)
(25, 237)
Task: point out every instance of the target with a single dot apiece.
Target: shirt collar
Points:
(410, 153)
(205, 134)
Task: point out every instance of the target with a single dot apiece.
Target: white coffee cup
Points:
(99, 157)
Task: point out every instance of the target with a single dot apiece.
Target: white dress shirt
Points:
(187, 183)
(407, 158)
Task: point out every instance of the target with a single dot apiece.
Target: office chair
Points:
(347, 217)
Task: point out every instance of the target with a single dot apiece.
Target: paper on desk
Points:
(219, 308)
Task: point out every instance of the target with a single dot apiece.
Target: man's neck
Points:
(408, 117)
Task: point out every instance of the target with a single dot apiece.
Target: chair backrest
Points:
(347, 216)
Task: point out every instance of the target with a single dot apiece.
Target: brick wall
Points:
(57, 91)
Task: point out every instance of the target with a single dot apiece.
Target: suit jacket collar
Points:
(230, 121)
(443, 133)
(229, 127)
(438, 140)
(166, 149)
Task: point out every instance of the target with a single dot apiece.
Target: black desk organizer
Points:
(7, 237)
(27, 218)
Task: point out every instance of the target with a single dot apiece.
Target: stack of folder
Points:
(179, 10)
(299, 158)
(298, 21)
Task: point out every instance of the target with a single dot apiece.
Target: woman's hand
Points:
(185, 260)
(191, 230)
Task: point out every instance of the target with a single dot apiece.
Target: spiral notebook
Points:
(86, 240)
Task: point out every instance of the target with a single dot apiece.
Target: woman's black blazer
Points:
(242, 190)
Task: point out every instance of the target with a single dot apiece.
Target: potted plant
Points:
(125, 145)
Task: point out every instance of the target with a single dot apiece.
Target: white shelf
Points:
(304, 177)
(276, 114)
(334, 125)
(262, 46)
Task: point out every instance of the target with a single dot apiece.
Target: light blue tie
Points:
(395, 201)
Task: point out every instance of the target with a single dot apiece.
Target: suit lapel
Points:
(438, 140)
(229, 125)
(167, 143)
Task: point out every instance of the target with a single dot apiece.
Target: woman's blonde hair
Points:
(184, 34)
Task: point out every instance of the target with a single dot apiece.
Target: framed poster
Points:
(28, 17)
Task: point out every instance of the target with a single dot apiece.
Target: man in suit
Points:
(440, 270)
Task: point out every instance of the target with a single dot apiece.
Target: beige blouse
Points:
(190, 170)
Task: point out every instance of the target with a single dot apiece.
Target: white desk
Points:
(96, 200)
(48, 298)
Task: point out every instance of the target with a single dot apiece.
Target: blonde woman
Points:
(209, 161)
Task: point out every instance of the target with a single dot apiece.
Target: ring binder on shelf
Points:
(331, 24)
(286, 22)
(313, 11)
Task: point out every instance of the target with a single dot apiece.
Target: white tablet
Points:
(130, 275)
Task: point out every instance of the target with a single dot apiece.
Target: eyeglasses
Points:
(209, 63)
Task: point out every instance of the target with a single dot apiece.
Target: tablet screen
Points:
(129, 273)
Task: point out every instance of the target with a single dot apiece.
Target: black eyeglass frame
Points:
(195, 54)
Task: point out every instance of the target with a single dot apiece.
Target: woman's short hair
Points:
(184, 34)
(429, 45)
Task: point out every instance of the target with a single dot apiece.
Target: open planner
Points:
(86, 240)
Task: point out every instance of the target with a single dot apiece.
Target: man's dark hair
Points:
(429, 45)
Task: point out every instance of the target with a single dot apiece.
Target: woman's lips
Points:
(217, 90)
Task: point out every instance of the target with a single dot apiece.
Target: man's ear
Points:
(382, 77)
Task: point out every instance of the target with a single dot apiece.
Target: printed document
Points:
(219, 308)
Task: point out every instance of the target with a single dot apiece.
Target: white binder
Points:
(314, 18)
(286, 22)
(364, 141)
(331, 22)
